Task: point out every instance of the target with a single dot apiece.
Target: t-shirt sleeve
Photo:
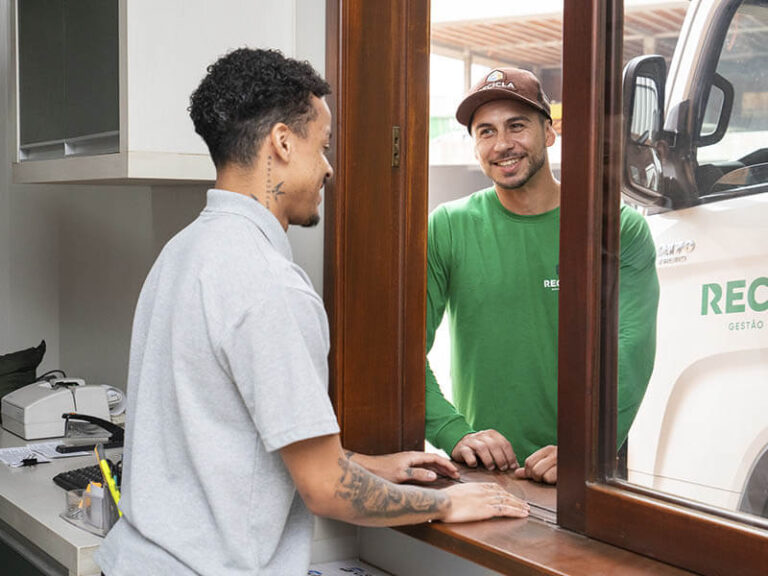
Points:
(277, 355)
(444, 425)
(638, 304)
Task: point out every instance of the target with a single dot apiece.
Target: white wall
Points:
(104, 252)
(173, 58)
(29, 305)
(402, 555)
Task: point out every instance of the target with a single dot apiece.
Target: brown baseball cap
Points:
(503, 84)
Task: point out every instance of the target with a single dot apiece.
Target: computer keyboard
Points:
(79, 478)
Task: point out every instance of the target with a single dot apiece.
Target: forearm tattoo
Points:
(372, 496)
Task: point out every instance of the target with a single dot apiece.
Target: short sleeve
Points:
(277, 354)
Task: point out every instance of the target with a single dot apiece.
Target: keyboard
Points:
(79, 478)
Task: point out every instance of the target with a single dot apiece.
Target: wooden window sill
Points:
(535, 545)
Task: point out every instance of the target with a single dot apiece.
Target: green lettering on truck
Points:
(734, 293)
(752, 296)
(717, 293)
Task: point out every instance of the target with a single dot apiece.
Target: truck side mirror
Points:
(644, 80)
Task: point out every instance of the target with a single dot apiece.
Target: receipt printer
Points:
(35, 410)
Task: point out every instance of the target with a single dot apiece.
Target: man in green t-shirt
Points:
(493, 266)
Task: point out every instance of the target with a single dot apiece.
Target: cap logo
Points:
(495, 76)
(499, 84)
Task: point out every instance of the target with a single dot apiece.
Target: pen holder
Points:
(91, 509)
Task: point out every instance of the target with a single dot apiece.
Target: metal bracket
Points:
(395, 146)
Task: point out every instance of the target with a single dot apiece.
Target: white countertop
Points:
(30, 503)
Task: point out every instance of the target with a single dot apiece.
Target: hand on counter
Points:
(402, 467)
(490, 447)
(482, 500)
(541, 466)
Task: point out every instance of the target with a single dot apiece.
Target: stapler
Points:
(115, 440)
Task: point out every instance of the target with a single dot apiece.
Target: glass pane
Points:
(469, 42)
(701, 432)
(41, 71)
(494, 324)
(91, 67)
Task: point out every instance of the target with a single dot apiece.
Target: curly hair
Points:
(244, 94)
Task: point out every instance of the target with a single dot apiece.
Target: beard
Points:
(311, 222)
(535, 163)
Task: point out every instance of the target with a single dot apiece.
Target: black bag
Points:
(18, 369)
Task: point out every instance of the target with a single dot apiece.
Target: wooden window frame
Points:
(589, 501)
(375, 271)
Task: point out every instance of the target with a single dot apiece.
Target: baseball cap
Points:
(503, 84)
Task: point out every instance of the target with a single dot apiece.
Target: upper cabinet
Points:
(102, 87)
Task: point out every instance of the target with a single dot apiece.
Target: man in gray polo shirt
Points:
(231, 439)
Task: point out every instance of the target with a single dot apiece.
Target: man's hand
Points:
(481, 500)
(540, 466)
(407, 466)
(333, 485)
(493, 450)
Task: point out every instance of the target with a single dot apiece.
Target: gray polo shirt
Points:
(228, 365)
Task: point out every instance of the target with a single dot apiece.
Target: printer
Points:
(34, 411)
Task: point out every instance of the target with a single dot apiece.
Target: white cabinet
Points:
(102, 87)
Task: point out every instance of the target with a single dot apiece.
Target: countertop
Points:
(30, 504)
(533, 546)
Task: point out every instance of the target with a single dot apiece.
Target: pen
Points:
(108, 479)
(32, 461)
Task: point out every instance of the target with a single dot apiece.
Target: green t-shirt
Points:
(496, 274)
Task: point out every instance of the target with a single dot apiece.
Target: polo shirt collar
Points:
(234, 203)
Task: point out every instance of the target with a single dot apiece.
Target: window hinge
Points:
(395, 146)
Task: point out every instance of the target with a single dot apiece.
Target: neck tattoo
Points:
(272, 191)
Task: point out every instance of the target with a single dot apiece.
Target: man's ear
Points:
(551, 134)
(281, 139)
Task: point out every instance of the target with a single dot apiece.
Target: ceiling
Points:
(535, 42)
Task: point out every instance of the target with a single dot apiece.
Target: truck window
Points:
(736, 162)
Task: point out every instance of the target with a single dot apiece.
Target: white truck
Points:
(696, 161)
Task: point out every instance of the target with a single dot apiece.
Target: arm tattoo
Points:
(348, 454)
(374, 497)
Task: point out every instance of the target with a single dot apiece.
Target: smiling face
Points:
(511, 141)
(310, 168)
